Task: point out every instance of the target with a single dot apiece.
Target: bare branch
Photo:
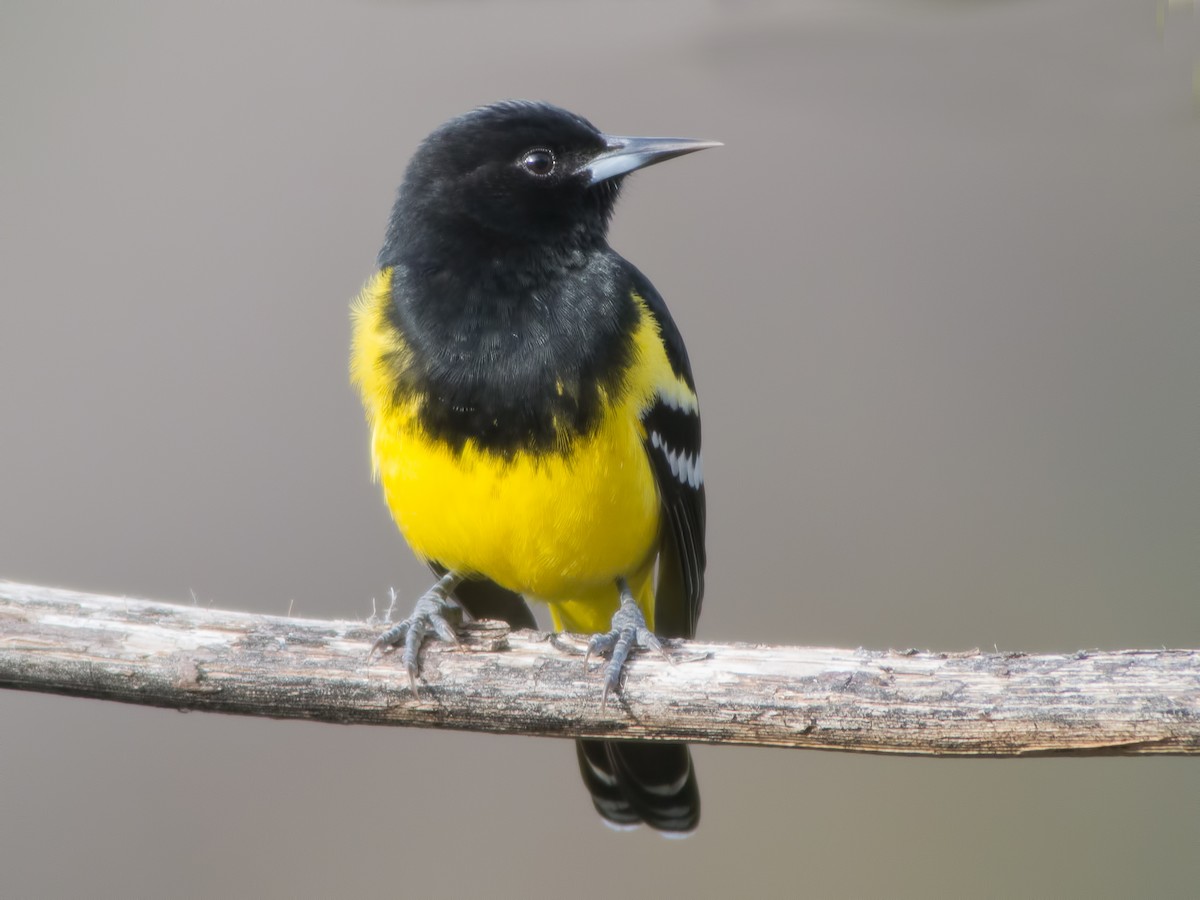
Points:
(955, 704)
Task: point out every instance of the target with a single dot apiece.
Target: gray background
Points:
(942, 294)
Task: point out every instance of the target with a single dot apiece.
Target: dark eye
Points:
(538, 162)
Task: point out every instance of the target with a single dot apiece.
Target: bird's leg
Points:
(435, 613)
(629, 631)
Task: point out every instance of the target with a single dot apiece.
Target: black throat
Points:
(513, 348)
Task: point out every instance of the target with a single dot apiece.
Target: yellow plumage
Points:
(560, 526)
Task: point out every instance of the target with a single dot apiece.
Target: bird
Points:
(534, 420)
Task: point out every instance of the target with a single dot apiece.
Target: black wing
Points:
(673, 445)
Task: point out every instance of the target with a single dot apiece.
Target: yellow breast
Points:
(546, 526)
(555, 526)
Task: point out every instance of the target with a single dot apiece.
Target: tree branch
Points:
(523, 682)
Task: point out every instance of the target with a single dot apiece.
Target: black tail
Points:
(634, 782)
(630, 782)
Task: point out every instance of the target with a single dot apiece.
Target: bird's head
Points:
(517, 173)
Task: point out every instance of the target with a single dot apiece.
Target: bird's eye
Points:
(538, 162)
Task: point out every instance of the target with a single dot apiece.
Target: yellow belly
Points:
(558, 527)
(552, 527)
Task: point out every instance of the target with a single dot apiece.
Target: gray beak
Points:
(622, 155)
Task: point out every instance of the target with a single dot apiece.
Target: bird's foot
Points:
(629, 632)
(434, 614)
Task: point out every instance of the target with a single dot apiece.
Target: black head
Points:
(517, 174)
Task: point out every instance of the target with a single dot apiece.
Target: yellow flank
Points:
(559, 527)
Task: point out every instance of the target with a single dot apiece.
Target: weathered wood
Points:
(955, 704)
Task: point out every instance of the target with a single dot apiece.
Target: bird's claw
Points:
(629, 632)
(433, 615)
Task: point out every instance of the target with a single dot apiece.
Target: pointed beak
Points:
(622, 155)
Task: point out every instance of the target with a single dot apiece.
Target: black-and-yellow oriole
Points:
(534, 421)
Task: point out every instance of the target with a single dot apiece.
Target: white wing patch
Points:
(687, 468)
(678, 396)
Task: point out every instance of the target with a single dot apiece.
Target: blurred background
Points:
(941, 290)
